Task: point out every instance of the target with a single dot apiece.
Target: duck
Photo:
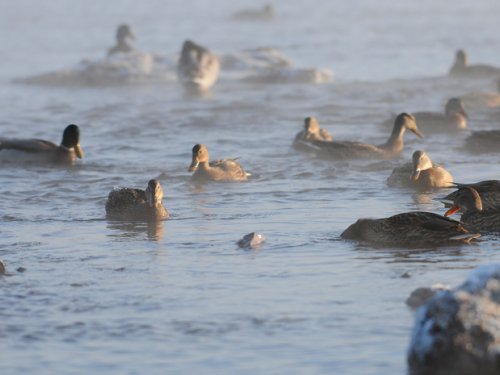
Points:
(482, 141)
(482, 99)
(421, 174)
(123, 34)
(41, 151)
(197, 68)
(137, 204)
(356, 150)
(217, 170)
(312, 132)
(454, 118)
(474, 216)
(266, 13)
(488, 190)
(461, 68)
(410, 229)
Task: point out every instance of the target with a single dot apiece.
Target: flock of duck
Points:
(198, 69)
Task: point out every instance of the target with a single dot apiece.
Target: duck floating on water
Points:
(41, 151)
(468, 201)
(356, 150)
(137, 204)
(454, 118)
(123, 34)
(312, 132)
(198, 68)
(217, 170)
(482, 141)
(421, 174)
(461, 68)
(482, 99)
(410, 229)
(488, 190)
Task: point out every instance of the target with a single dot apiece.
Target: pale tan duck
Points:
(474, 216)
(483, 99)
(409, 229)
(41, 151)
(488, 190)
(197, 68)
(461, 68)
(123, 34)
(356, 150)
(312, 132)
(421, 174)
(217, 170)
(137, 204)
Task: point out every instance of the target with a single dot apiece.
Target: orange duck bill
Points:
(452, 210)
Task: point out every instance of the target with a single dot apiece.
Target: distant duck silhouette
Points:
(264, 14)
(217, 170)
(474, 216)
(137, 204)
(412, 229)
(198, 68)
(41, 151)
(356, 150)
(123, 34)
(312, 132)
(421, 174)
(461, 68)
(482, 99)
(482, 141)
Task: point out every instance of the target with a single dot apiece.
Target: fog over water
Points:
(84, 294)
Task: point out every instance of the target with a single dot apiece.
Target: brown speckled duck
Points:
(217, 170)
(312, 132)
(468, 201)
(421, 174)
(137, 204)
(409, 229)
(41, 151)
(488, 190)
(461, 68)
(356, 150)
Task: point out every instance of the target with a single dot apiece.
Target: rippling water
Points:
(84, 294)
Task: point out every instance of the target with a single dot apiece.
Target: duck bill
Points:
(417, 133)
(451, 211)
(78, 151)
(193, 166)
(415, 175)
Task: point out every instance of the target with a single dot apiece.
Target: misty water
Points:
(84, 294)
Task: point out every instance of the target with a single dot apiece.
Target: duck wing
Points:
(426, 220)
(27, 145)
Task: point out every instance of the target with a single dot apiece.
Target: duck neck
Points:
(395, 142)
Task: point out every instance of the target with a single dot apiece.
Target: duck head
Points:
(466, 200)
(407, 121)
(454, 106)
(311, 125)
(71, 140)
(200, 155)
(154, 193)
(123, 32)
(460, 58)
(421, 162)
